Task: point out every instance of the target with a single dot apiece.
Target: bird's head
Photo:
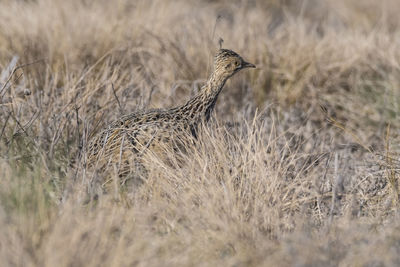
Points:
(227, 63)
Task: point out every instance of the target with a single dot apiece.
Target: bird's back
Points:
(138, 132)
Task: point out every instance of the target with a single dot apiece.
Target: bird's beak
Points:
(248, 65)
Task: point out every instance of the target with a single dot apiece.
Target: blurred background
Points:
(342, 55)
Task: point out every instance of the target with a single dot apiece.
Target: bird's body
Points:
(133, 134)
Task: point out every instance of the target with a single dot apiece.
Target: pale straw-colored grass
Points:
(299, 167)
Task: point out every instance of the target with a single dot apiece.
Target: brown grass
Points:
(299, 167)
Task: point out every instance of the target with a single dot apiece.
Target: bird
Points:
(133, 134)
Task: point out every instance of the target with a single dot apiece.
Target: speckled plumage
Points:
(133, 134)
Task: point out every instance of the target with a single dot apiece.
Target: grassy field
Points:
(299, 166)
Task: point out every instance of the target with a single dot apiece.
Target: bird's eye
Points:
(236, 63)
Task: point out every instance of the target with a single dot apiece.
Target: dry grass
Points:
(299, 168)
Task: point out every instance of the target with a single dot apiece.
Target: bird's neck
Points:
(201, 106)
